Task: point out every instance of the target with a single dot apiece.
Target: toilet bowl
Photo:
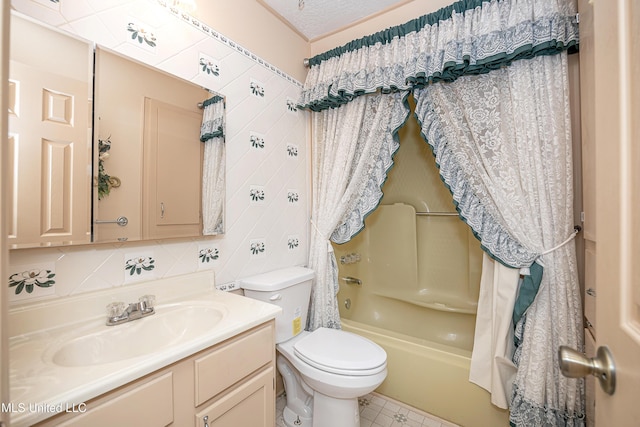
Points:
(325, 370)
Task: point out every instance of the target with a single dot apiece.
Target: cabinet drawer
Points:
(231, 362)
(150, 404)
(250, 404)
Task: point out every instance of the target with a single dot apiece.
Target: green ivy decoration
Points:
(105, 181)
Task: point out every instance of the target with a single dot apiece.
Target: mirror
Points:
(118, 159)
(150, 160)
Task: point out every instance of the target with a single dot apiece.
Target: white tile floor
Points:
(379, 411)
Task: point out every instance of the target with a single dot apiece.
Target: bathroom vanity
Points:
(205, 358)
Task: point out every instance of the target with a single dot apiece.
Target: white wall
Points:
(277, 222)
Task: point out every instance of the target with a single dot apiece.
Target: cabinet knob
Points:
(205, 419)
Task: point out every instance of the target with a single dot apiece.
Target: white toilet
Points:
(324, 371)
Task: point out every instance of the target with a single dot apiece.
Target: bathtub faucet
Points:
(119, 312)
(352, 281)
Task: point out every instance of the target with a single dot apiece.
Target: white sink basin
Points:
(170, 325)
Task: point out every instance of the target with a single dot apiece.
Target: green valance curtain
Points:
(213, 118)
(468, 37)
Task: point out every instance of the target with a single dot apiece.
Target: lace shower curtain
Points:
(469, 40)
(212, 135)
(353, 149)
(503, 144)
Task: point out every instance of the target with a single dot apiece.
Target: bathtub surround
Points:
(444, 58)
(424, 323)
(184, 46)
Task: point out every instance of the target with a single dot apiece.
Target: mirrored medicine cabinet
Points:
(102, 148)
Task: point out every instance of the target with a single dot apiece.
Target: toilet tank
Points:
(289, 288)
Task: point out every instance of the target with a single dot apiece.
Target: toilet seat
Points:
(340, 352)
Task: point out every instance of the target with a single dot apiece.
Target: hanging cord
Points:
(329, 246)
(576, 230)
(524, 271)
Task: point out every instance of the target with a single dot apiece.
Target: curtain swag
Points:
(469, 37)
(349, 168)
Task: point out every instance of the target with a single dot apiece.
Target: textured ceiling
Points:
(321, 17)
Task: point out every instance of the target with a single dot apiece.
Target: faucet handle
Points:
(147, 302)
(116, 309)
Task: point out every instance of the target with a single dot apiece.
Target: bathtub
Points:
(431, 377)
(417, 298)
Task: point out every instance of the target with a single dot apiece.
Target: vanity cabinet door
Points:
(232, 361)
(147, 404)
(249, 404)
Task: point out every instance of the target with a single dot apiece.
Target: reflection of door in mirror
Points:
(172, 171)
(49, 137)
(153, 121)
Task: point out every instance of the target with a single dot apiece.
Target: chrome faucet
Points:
(119, 312)
(352, 281)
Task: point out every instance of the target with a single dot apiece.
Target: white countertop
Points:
(40, 388)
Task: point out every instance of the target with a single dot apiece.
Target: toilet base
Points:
(333, 412)
(291, 419)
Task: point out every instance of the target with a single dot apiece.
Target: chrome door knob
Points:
(576, 365)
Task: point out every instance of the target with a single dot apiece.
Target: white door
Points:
(48, 198)
(617, 130)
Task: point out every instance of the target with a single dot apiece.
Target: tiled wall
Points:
(267, 165)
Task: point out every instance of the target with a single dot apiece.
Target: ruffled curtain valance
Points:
(213, 118)
(468, 37)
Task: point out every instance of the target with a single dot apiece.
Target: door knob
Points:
(575, 365)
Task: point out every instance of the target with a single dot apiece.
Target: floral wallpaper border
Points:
(222, 38)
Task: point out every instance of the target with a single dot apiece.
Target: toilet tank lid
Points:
(277, 279)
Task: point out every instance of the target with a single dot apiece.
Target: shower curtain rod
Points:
(436, 213)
